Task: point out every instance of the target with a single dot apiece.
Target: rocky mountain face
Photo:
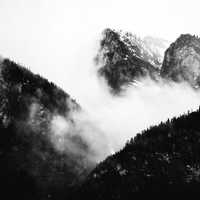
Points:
(31, 164)
(182, 60)
(124, 57)
(160, 163)
(158, 46)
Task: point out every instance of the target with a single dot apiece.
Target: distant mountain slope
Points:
(30, 165)
(158, 46)
(163, 162)
(182, 60)
(125, 58)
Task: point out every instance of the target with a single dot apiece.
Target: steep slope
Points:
(162, 162)
(182, 60)
(125, 58)
(158, 46)
(31, 164)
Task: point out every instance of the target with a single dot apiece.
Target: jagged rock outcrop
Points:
(158, 46)
(182, 60)
(125, 58)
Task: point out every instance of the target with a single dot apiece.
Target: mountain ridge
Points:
(163, 157)
(161, 162)
(182, 60)
(32, 165)
(125, 58)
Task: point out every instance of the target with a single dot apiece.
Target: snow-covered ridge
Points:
(149, 48)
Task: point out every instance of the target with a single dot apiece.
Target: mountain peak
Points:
(124, 57)
(182, 60)
(186, 39)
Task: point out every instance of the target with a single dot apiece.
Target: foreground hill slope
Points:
(161, 162)
(31, 167)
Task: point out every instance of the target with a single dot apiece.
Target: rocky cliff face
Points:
(124, 58)
(182, 60)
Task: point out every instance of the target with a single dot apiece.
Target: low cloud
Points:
(106, 122)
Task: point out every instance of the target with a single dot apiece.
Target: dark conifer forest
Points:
(160, 162)
(30, 167)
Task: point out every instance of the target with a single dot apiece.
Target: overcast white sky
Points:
(50, 36)
(58, 39)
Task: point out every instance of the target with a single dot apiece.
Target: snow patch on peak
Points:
(149, 48)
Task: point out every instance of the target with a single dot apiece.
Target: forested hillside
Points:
(161, 162)
(30, 165)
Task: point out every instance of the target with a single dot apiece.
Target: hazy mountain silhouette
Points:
(30, 165)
